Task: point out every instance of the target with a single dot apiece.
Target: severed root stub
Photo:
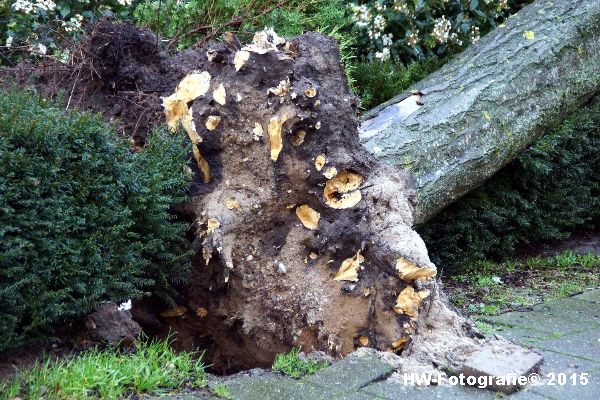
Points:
(302, 238)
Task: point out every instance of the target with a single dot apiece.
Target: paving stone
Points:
(488, 362)
(521, 336)
(360, 395)
(395, 390)
(271, 386)
(571, 309)
(591, 295)
(557, 363)
(564, 316)
(526, 394)
(591, 391)
(584, 344)
(351, 373)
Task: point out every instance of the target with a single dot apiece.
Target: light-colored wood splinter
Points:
(349, 269)
(320, 162)
(275, 137)
(177, 112)
(399, 344)
(310, 92)
(409, 300)
(202, 164)
(341, 191)
(232, 203)
(309, 217)
(330, 172)
(212, 122)
(240, 59)
(298, 138)
(257, 132)
(409, 271)
(219, 95)
(211, 225)
(174, 312)
(201, 312)
(363, 340)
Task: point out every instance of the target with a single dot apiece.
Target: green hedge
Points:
(545, 193)
(83, 219)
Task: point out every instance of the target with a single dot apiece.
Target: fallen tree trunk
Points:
(459, 126)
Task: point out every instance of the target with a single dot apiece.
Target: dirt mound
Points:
(118, 70)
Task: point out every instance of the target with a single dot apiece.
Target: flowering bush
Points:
(406, 30)
(38, 27)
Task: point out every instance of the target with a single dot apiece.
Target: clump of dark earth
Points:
(113, 326)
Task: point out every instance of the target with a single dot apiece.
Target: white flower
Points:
(387, 39)
(39, 49)
(400, 5)
(24, 6)
(46, 5)
(126, 306)
(125, 2)
(475, 35)
(441, 29)
(412, 39)
(9, 41)
(383, 54)
(64, 56)
(361, 15)
(379, 23)
(73, 23)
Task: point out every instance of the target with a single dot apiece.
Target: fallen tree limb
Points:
(459, 126)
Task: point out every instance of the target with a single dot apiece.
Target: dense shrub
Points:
(545, 193)
(407, 30)
(82, 218)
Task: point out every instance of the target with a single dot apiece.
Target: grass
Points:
(109, 374)
(486, 288)
(292, 365)
(222, 391)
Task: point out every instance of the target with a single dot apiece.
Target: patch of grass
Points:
(153, 368)
(565, 259)
(484, 288)
(485, 328)
(222, 391)
(292, 365)
(568, 289)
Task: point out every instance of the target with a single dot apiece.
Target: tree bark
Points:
(463, 123)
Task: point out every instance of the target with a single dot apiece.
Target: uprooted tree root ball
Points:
(302, 238)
